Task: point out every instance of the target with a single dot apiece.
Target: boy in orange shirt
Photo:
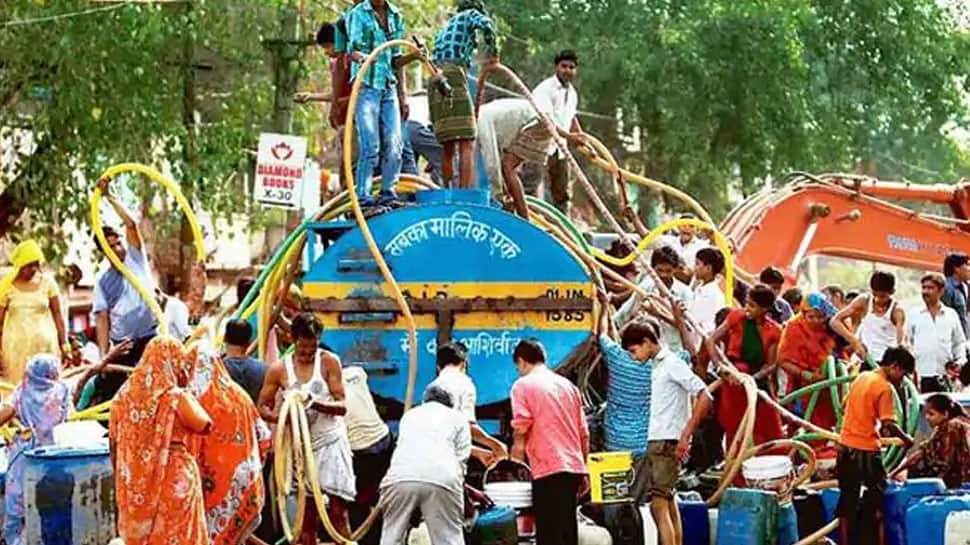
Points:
(869, 414)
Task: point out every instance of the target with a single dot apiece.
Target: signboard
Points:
(279, 170)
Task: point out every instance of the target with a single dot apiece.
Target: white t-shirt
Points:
(687, 252)
(560, 102)
(433, 446)
(364, 425)
(462, 390)
(672, 384)
(177, 318)
(669, 334)
(708, 299)
(936, 341)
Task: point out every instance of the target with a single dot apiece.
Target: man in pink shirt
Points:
(549, 429)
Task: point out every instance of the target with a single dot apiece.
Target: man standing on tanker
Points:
(557, 98)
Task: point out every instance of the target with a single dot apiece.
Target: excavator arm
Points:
(843, 216)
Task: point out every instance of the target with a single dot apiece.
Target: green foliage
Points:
(729, 93)
(108, 87)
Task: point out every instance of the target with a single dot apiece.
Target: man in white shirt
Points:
(937, 336)
(452, 360)
(672, 421)
(176, 315)
(427, 472)
(665, 261)
(687, 243)
(557, 98)
(708, 297)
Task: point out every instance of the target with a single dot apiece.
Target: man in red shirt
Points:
(549, 429)
(751, 342)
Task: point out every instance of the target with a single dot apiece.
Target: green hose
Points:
(820, 385)
(271, 264)
(834, 391)
(811, 405)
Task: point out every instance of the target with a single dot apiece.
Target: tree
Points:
(728, 94)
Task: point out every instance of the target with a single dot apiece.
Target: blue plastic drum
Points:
(70, 496)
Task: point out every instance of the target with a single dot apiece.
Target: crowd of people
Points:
(190, 429)
(505, 134)
(786, 340)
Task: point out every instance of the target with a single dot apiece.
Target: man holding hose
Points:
(870, 413)
(121, 314)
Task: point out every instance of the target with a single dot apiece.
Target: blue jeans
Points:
(420, 141)
(378, 120)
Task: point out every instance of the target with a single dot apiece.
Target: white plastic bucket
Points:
(771, 473)
(515, 494)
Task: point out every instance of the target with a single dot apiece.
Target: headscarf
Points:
(41, 400)
(23, 254)
(230, 455)
(142, 422)
(817, 301)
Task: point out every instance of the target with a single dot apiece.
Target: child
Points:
(751, 341)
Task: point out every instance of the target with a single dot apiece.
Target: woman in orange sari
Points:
(157, 480)
(231, 455)
(806, 344)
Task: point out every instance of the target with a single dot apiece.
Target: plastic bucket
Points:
(771, 473)
(610, 476)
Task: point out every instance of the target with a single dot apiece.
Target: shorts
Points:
(453, 118)
(857, 468)
(662, 468)
(531, 143)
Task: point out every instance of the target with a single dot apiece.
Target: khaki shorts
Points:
(663, 468)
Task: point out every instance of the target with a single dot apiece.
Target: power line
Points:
(59, 16)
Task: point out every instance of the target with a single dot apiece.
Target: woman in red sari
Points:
(806, 344)
(230, 456)
(750, 340)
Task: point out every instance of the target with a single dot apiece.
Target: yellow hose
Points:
(362, 221)
(183, 204)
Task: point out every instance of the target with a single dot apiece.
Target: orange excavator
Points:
(849, 216)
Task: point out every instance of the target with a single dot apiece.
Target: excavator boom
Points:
(844, 216)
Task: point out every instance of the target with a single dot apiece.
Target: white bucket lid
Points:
(766, 467)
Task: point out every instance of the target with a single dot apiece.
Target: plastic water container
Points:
(712, 525)
(926, 519)
(650, 535)
(70, 496)
(830, 500)
(590, 534)
(610, 476)
(747, 517)
(787, 524)
(957, 529)
(810, 511)
(771, 473)
(899, 497)
(623, 521)
(496, 526)
(693, 515)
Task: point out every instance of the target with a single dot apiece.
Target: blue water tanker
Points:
(70, 496)
(471, 272)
